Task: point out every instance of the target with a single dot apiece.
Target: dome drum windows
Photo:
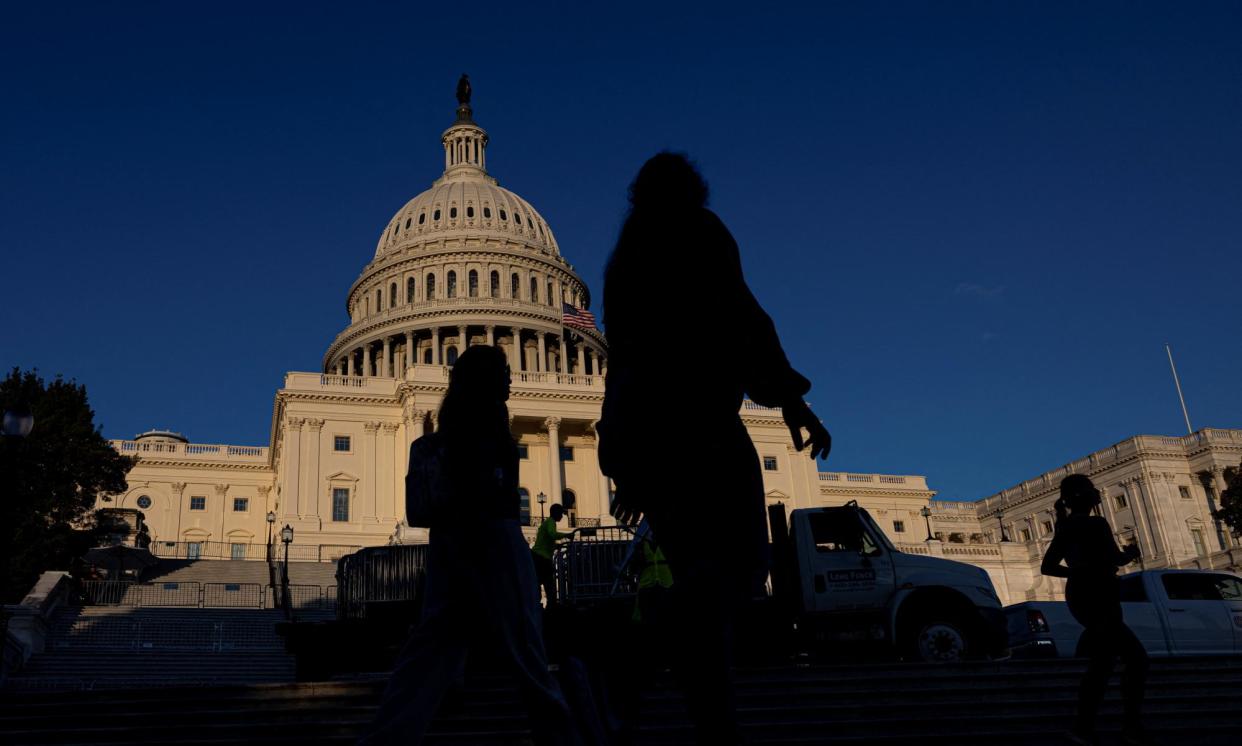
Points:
(450, 283)
(452, 213)
(409, 290)
(472, 283)
(392, 295)
(407, 223)
(515, 286)
(487, 212)
(493, 284)
(431, 287)
(469, 211)
(436, 215)
(422, 218)
(503, 215)
(534, 290)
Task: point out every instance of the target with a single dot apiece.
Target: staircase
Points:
(1014, 704)
(238, 571)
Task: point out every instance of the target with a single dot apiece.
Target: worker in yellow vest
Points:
(545, 545)
(654, 580)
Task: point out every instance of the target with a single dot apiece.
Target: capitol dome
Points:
(466, 262)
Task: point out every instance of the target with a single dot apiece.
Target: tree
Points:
(1231, 500)
(50, 480)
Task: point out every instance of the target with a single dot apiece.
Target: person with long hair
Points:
(687, 342)
(480, 586)
(1084, 552)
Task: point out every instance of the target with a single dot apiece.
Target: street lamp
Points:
(18, 422)
(271, 523)
(542, 498)
(286, 536)
(926, 513)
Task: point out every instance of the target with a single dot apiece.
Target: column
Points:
(293, 466)
(410, 349)
(581, 358)
(553, 424)
(368, 471)
(387, 500)
(349, 361)
(515, 349)
(387, 356)
(541, 364)
(463, 340)
(308, 496)
(1139, 501)
(435, 346)
(605, 518)
(367, 363)
(564, 361)
(340, 367)
(491, 335)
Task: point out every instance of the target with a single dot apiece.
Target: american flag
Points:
(578, 317)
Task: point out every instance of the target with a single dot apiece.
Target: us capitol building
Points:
(469, 262)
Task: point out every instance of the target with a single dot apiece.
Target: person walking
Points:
(1084, 552)
(545, 546)
(480, 581)
(706, 506)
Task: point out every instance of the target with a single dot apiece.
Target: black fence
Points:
(592, 566)
(379, 575)
(242, 551)
(204, 595)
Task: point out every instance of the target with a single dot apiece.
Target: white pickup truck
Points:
(1173, 612)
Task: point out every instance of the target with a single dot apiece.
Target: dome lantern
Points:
(465, 143)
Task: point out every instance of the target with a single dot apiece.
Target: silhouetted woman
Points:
(480, 581)
(1085, 544)
(686, 342)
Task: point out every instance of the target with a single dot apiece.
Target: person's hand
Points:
(624, 510)
(798, 416)
(1132, 551)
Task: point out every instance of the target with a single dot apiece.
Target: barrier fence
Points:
(204, 595)
(588, 566)
(383, 574)
(254, 552)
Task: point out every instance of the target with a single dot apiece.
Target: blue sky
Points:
(975, 224)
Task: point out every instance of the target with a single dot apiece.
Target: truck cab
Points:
(847, 582)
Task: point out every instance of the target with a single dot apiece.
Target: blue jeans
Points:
(480, 580)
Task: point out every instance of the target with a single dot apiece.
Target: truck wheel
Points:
(937, 641)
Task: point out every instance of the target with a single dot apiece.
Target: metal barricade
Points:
(392, 573)
(589, 566)
(164, 594)
(104, 592)
(306, 597)
(233, 595)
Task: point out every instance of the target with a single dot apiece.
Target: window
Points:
(523, 451)
(769, 463)
(1132, 589)
(1119, 500)
(524, 506)
(392, 295)
(472, 283)
(1184, 491)
(899, 527)
(431, 287)
(436, 215)
(194, 549)
(198, 502)
(379, 300)
(450, 285)
(517, 218)
(487, 211)
(469, 211)
(1198, 586)
(237, 551)
(840, 531)
(341, 443)
(493, 284)
(503, 216)
(144, 502)
(1025, 534)
(409, 290)
(567, 453)
(427, 356)
(241, 504)
(1196, 535)
(534, 290)
(548, 296)
(340, 504)
(1048, 531)
(452, 213)
(407, 223)
(450, 355)
(422, 218)
(515, 285)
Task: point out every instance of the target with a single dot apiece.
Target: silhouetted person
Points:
(1085, 544)
(676, 269)
(480, 581)
(544, 548)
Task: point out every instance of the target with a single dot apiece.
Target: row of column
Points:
(308, 495)
(387, 359)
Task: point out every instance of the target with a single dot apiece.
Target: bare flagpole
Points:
(1178, 384)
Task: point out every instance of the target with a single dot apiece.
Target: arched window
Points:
(503, 216)
(392, 295)
(487, 211)
(493, 284)
(450, 285)
(450, 355)
(549, 294)
(517, 218)
(436, 215)
(534, 290)
(515, 286)
(407, 223)
(422, 218)
(431, 287)
(469, 211)
(379, 300)
(452, 213)
(409, 290)
(524, 506)
(427, 356)
(472, 283)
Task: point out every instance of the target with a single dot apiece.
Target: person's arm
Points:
(1120, 557)
(1051, 565)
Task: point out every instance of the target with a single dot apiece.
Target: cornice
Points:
(207, 465)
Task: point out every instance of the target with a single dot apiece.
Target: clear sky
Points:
(975, 224)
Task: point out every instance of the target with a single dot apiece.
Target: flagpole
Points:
(1178, 384)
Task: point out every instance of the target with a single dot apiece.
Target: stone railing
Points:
(878, 481)
(197, 451)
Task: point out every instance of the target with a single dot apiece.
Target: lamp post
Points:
(271, 523)
(1000, 518)
(18, 422)
(542, 498)
(926, 513)
(286, 536)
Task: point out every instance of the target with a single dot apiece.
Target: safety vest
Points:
(655, 570)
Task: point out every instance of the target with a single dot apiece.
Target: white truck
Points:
(1172, 612)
